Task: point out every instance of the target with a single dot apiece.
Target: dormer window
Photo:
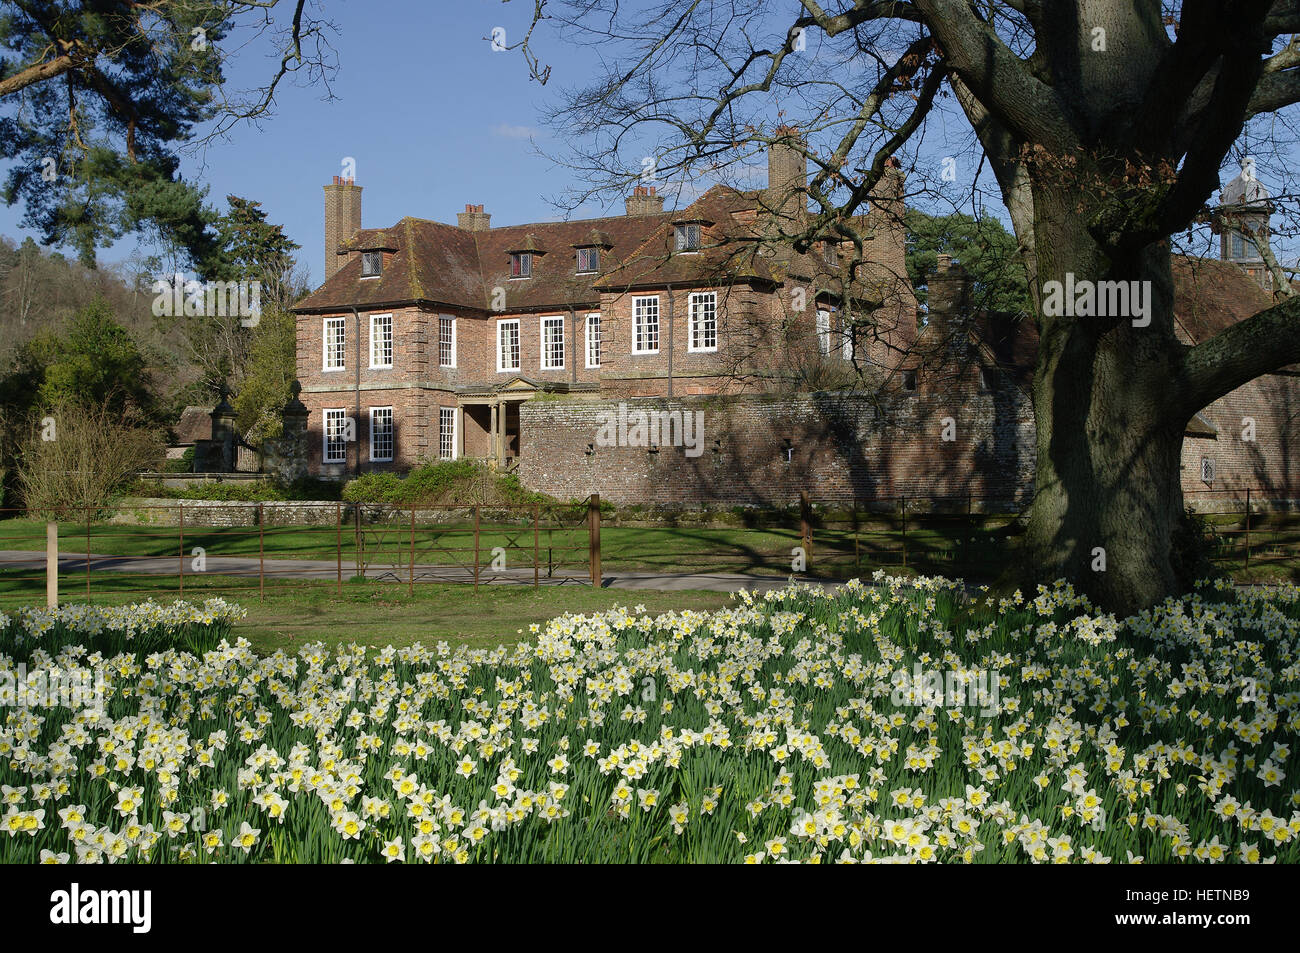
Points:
(521, 264)
(831, 253)
(688, 238)
(588, 261)
(372, 264)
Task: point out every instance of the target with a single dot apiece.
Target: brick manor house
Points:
(429, 340)
(431, 336)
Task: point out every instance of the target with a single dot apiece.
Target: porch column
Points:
(495, 433)
(500, 446)
(460, 431)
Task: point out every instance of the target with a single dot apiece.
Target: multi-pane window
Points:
(588, 260)
(1240, 246)
(824, 331)
(447, 433)
(688, 237)
(849, 333)
(372, 264)
(521, 265)
(336, 433)
(381, 340)
(446, 342)
(704, 321)
(508, 345)
(381, 434)
(335, 341)
(552, 344)
(1207, 470)
(593, 340)
(645, 314)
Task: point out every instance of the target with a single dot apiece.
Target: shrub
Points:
(461, 482)
(80, 456)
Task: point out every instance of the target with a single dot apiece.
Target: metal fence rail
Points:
(259, 547)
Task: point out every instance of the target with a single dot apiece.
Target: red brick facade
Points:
(719, 327)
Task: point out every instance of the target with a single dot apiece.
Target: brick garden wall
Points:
(843, 448)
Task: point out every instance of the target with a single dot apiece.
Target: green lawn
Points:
(375, 613)
(975, 548)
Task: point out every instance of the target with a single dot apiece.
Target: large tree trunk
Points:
(1108, 494)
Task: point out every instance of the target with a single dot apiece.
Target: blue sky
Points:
(433, 118)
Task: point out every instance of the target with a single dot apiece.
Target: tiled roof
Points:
(1209, 296)
(444, 264)
(195, 423)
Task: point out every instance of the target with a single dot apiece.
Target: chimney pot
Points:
(644, 201)
(474, 219)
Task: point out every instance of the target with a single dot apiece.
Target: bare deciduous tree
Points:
(1106, 124)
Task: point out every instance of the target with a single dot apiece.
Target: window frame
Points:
(553, 320)
(636, 324)
(693, 329)
(590, 250)
(392, 434)
(370, 256)
(342, 323)
(391, 341)
(336, 413)
(822, 326)
(682, 238)
(454, 416)
(588, 340)
(451, 319)
(502, 323)
(521, 264)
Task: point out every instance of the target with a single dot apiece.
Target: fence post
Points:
(805, 529)
(261, 554)
(87, 552)
(593, 534)
(181, 575)
(537, 513)
(476, 517)
(51, 564)
(338, 544)
(1247, 527)
(902, 501)
(411, 585)
(359, 540)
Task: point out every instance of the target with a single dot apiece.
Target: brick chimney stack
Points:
(643, 201)
(474, 219)
(342, 219)
(787, 172)
(948, 288)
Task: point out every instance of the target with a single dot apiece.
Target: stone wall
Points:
(758, 450)
(166, 512)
